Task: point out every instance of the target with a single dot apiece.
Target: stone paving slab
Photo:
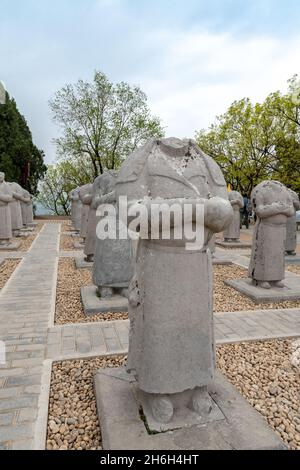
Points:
(230, 245)
(104, 338)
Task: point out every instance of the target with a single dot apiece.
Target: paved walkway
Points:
(27, 305)
(83, 340)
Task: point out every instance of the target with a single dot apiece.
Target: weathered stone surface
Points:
(75, 209)
(5, 214)
(122, 427)
(113, 261)
(232, 232)
(26, 208)
(172, 283)
(273, 205)
(90, 242)
(291, 226)
(10, 246)
(93, 304)
(15, 207)
(84, 194)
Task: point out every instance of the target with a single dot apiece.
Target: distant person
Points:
(245, 211)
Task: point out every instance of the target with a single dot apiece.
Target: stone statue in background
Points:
(113, 260)
(171, 345)
(75, 209)
(90, 241)
(273, 205)
(26, 208)
(291, 226)
(15, 208)
(232, 233)
(85, 195)
(5, 215)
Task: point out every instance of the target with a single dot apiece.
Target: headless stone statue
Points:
(291, 227)
(5, 215)
(75, 209)
(15, 208)
(113, 261)
(90, 242)
(171, 345)
(232, 233)
(26, 208)
(85, 194)
(273, 205)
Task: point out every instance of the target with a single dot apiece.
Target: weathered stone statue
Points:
(15, 208)
(232, 233)
(75, 209)
(85, 194)
(5, 215)
(26, 208)
(291, 226)
(113, 261)
(2, 93)
(171, 345)
(273, 205)
(90, 241)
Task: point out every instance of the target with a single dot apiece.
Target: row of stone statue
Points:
(169, 287)
(16, 210)
(232, 233)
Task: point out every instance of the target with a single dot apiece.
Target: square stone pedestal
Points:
(123, 427)
(291, 291)
(82, 264)
(93, 304)
(27, 229)
(241, 245)
(219, 259)
(32, 224)
(75, 234)
(78, 245)
(292, 259)
(10, 247)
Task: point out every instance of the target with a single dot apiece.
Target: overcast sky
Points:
(191, 57)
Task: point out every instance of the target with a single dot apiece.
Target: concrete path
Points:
(27, 303)
(27, 307)
(84, 340)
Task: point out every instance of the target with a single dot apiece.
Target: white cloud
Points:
(199, 75)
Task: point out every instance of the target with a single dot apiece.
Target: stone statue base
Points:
(292, 259)
(290, 291)
(93, 304)
(233, 244)
(32, 224)
(82, 264)
(10, 246)
(234, 424)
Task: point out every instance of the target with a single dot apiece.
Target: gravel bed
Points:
(68, 302)
(227, 299)
(69, 307)
(266, 373)
(6, 270)
(72, 420)
(67, 242)
(294, 268)
(27, 242)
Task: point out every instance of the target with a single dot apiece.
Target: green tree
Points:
(20, 159)
(256, 142)
(102, 122)
(59, 180)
